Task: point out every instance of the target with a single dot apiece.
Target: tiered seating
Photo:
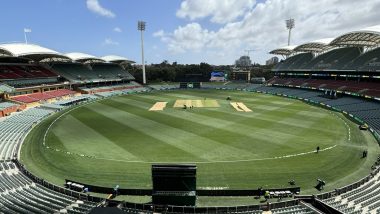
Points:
(6, 108)
(319, 59)
(363, 199)
(366, 110)
(30, 82)
(366, 88)
(139, 211)
(295, 61)
(60, 93)
(26, 75)
(5, 105)
(121, 86)
(76, 72)
(72, 100)
(121, 92)
(52, 106)
(298, 209)
(98, 73)
(341, 60)
(111, 71)
(164, 87)
(227, 85)
(25, 99)
(19, 194)
(362, 61)
(5, 88)
(109, 93)
(333, 59)
(13, 129)
(36, 97)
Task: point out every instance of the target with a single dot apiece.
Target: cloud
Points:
(109, 41)
(94, 6)
(262, 27)
(220, 11)
(117, 29)
(159, 33)
(191, 37)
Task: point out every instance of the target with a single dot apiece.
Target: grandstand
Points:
(43, 96)
(18, 69)
(7, 108)
(348, 64)
(19, 194)
(362, 199)
(32, 74)
(27, 77)
(91, 69)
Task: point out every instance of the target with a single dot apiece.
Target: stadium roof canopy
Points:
(315, 46)
(82, 57)
(30, 51)
(116, 59)
(286, 51)
(366, 37)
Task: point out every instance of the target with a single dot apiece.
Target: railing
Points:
(200, 192)
(349, 187)
(54, 187)
(354, 185)
(185, 209)
(150, 207)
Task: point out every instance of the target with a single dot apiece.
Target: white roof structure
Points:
(30, 51)
(82, 57)
(287, 50)
(366, 37)
(116, 59)
(319, 45)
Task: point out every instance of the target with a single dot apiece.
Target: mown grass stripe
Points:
(92, 141)
(203, 147)
(293, 121)
(134, 141)
(243, 134)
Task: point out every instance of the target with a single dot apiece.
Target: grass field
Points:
(114, 141)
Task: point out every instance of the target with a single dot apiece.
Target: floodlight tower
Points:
(289, 25)
(141, 28)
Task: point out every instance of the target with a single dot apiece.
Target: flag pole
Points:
(26, 40)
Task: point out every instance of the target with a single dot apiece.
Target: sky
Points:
(186, 31)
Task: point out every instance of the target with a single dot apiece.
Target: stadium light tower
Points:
(289, 25)
(141, 28)
(26, 30)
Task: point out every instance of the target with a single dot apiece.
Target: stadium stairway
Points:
(365, 109)
(19, 194)
(365, 199)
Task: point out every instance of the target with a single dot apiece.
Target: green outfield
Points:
(114, 141)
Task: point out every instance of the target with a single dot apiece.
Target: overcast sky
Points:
(187, 31)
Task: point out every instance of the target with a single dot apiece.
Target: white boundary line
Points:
(200, 162)
(225, 161)
(345, 123)
(56, 119)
